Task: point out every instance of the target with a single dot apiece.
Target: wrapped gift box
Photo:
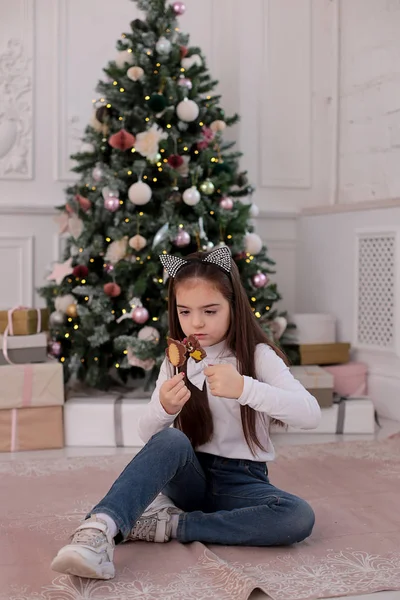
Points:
(31, 429)
(31, 385)
(349, 379)
(324, 354)
(25, 321)
(24, 349)
(317, 381)
(106, 421)
(351, 416)
(314, 328)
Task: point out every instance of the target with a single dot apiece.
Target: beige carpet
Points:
(354, 488)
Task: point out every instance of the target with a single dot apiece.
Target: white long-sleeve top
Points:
(275, 393)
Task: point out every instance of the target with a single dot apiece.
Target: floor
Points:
(387, 428)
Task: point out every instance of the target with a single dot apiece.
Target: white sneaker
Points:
(155, 524)
(90, 552)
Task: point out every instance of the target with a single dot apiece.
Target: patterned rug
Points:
(354, 488)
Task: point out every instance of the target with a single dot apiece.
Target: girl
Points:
(211, 466)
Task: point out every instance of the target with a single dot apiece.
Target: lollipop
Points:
(194, 349)
(177, 351)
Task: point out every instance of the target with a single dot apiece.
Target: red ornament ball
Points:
(175, 161)
(112, 289)
(80, 271)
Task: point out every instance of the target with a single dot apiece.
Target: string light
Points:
(201, 123)
(155, 179)
(127, 220)
(169, 126)
(121, 118)
(129, 172)
(83, 281)
(108, 105)
(229, 237)
(92, 260)
(67, 335)
(117, 365)
(86, 298)
(69, 320)
(147, 119)
(253, 299)
(125, 351)
(145, 177)
(95, 359)
(62, 359)
(115, 82)
(121, 90)
(211, 212)
(133, 150)
(147, 97)
(257, 315)
(108, 239)
(123, 311)
(76, 326)
(155, 318)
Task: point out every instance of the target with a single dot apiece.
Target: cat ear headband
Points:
(221, 257)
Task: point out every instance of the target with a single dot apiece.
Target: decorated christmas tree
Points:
(155, 176)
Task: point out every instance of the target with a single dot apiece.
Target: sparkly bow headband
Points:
(221, 257)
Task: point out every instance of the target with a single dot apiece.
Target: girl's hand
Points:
(224, 381)
(174, 394)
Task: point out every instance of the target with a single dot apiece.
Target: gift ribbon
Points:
(341, 415)
(9, 330)
(14, 436)
(119, 438)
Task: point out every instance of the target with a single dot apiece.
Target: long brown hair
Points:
(244, 333)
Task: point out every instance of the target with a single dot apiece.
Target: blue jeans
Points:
(225, 501)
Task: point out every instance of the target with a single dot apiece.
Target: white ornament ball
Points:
(149, 334)
(137, 242)
(217, 126)
(124, 57)
(254, 211)
(191, 196)
(253, 243)
(187, 110)
(140, 193)
(191, 61)
(61, 303)
(87, 148)
(135, 73)
(163, 46)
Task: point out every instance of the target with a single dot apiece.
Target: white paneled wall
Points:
(349, 265)
(276, 61)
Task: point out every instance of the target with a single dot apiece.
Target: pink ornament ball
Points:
(182, 239)
(226, 203)
(185, 83)
(108, 268)
(259, 280)
(140, 315)
(111, 203)
(179, 8)
(55, 348)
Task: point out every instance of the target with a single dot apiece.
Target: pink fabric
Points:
(353, 487)
(349, 379)
(9, 330)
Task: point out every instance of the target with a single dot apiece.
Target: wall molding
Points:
(20, 209)
(16, 90)
(26, 264)
(356, 207)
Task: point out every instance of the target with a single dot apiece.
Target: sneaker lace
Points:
(145, 529)
(90, 537)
